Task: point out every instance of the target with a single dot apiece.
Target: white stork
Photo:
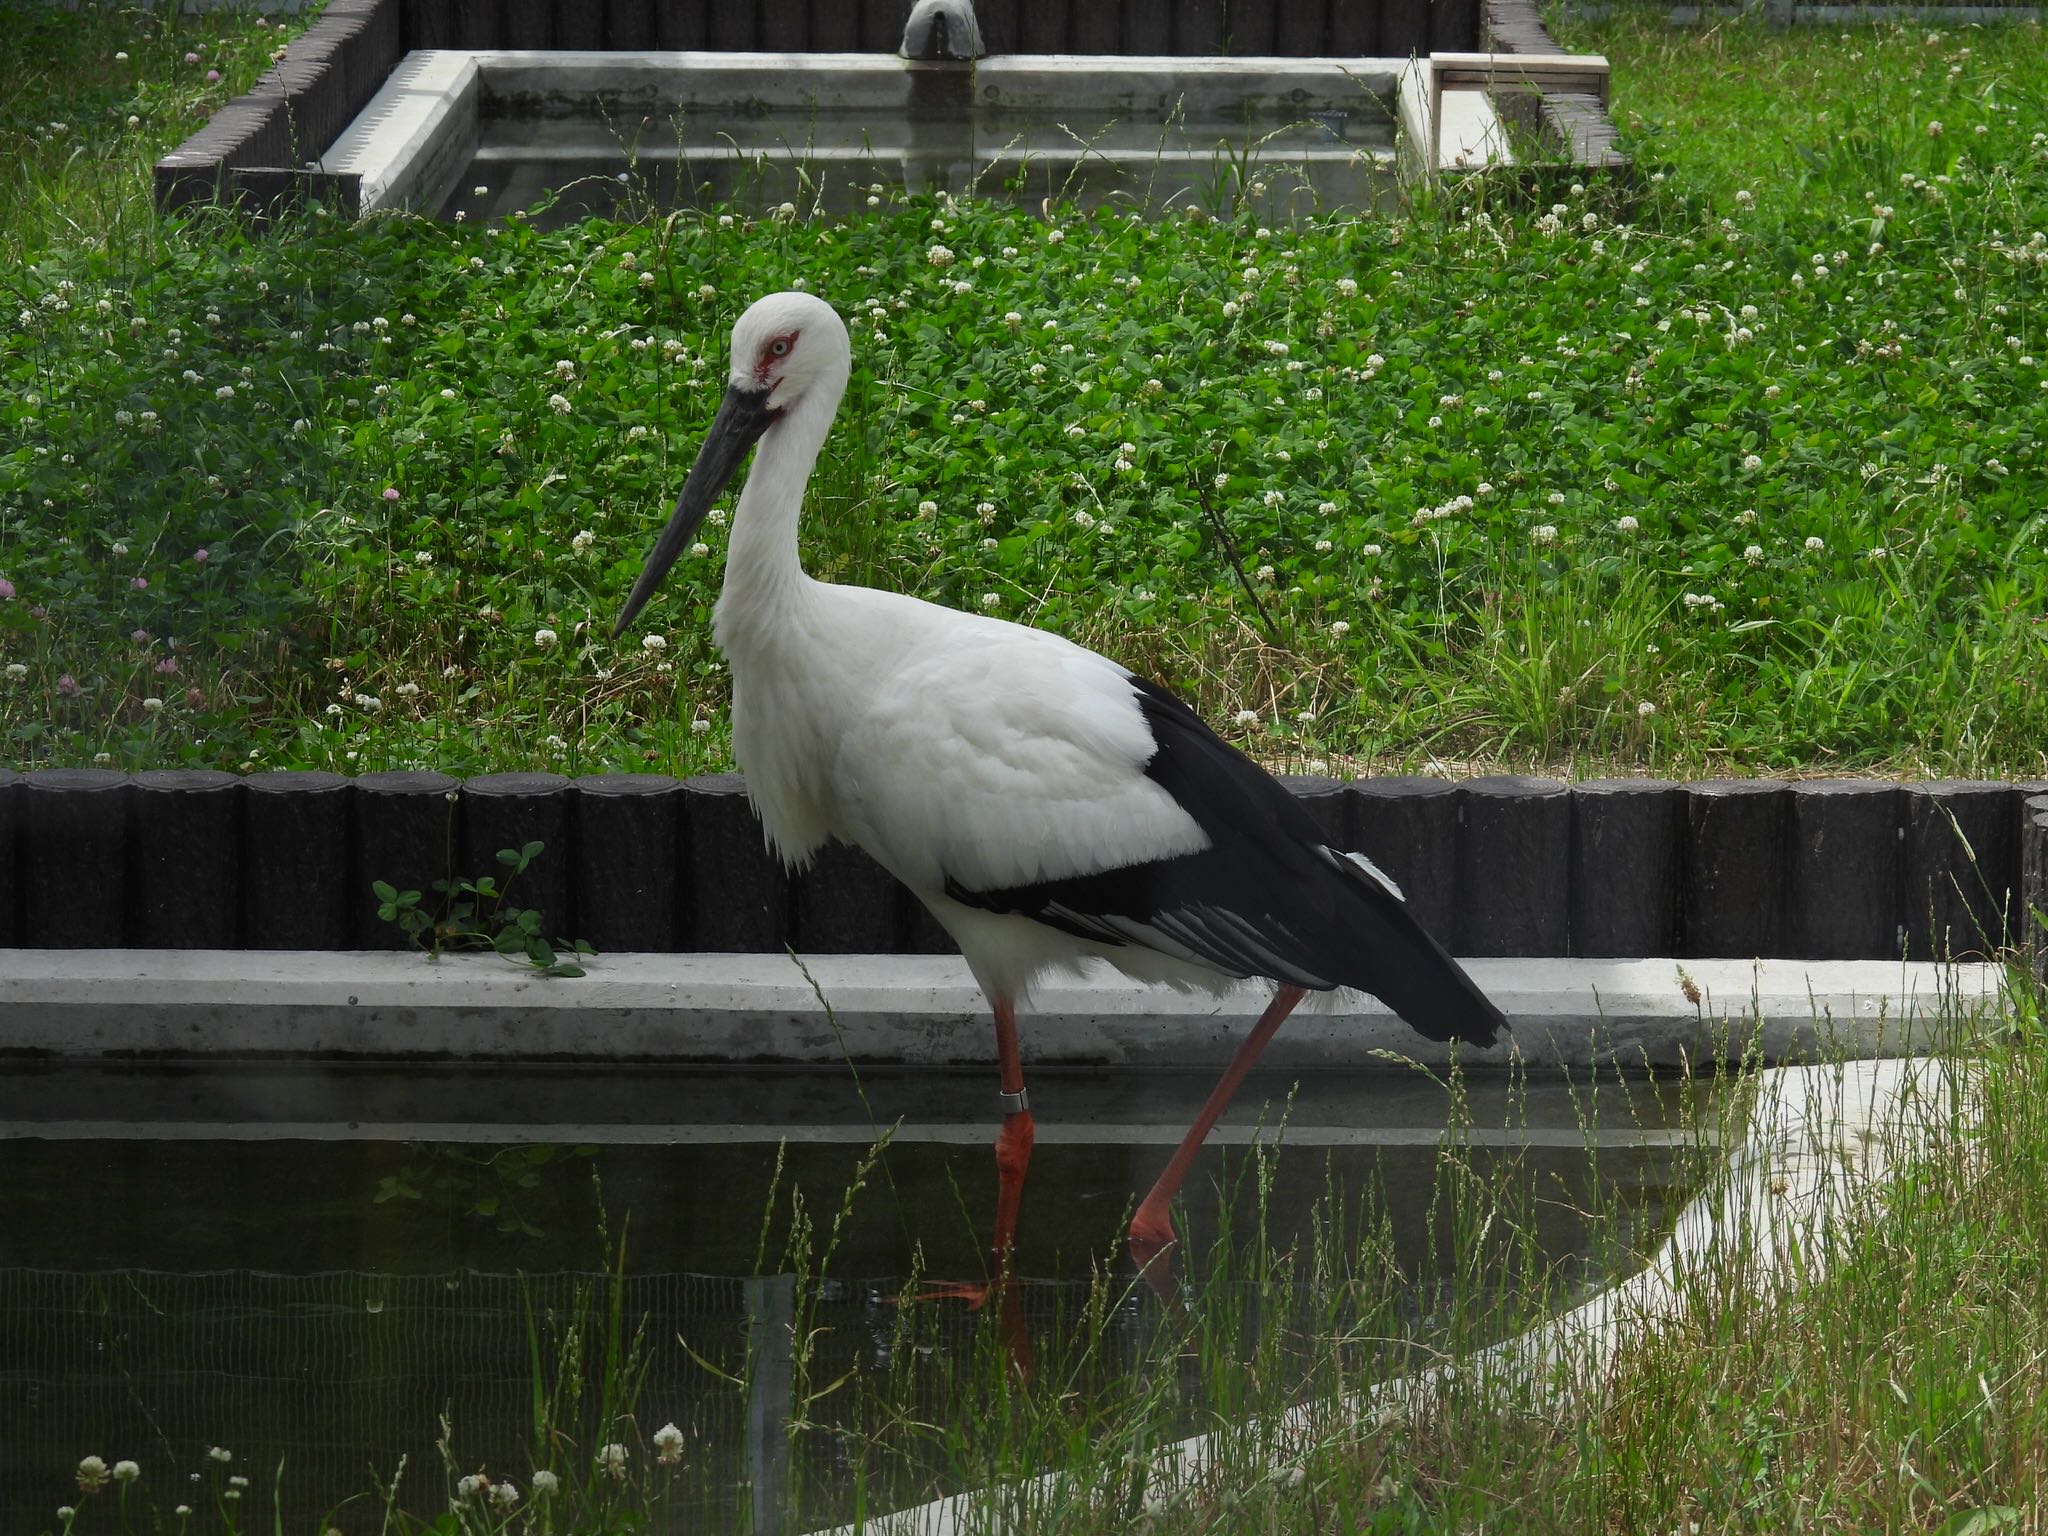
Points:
(1048, 805)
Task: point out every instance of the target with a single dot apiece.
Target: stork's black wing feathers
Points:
(1268, 897)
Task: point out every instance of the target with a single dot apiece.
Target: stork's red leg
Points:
(1013, 1142)
(1152, 1227)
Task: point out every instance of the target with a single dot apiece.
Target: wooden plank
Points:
(1200, 27)
(185, 859)
(844, 903)
(1002, 25)
(835, 26)
(626, 861)
(735, 25)
(736, 893)
(1404, 28)
(1626, 836)
(479, 24)
(430, 24)
(1453, 24)
(73, 842)
(402, 825)
(1846, 869)
(1249, 25)
(1301, 28)
(1962, 867)
(1514, 867)
(529, 24)
(2031, 931)
(1408, 826)
(782, 27)
(629, 25)
(579, 24)
(1043, 24)
(10, 857)
(1147, 27)
(503, 811)
(1094, 27)
(297, 869)
(681, 24)
(1355, 29)
(1733, 879)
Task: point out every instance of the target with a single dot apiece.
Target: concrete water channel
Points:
(307, 1203)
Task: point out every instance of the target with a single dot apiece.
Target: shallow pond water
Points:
(315, 1266)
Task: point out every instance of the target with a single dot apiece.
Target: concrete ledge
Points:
(415, 135)
(925, 1010)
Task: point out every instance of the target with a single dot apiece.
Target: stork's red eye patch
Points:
(777, 349)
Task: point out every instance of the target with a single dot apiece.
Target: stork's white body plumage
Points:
(1045, 803)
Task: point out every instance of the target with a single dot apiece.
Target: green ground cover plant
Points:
(1737, 467)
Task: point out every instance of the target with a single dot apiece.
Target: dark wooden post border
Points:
(186, 871)
(74, 858)
(1514, 862)
(1626, 835)
(510, 810)
(405, 834)
(627, 834)
(1846, 869)
(1732, 891)
(298, 865)
(1408, 826)
(736, 891)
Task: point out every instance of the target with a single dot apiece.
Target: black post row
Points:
(1962, 867)
(1731, 898)
(627, 830)
(10, 857)
(1514, 861)
(297, 862)
(1847, 858)
(845, 903)
(2030, 928)
(1408, 827)
(73, 842)
(507, 811)
(185, 874)
(1624, 867)
(736, 893)
(406, 828)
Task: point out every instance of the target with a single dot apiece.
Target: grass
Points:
(1666, 480)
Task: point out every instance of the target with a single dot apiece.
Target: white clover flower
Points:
(699, 550)
(1370, 551)
(150, 706)
(220, 1453)
(1753, 553)
(1877, 553)
(1555, 498)
(16, 671)
(559, 404)
(92, 1470)
(654, 645)
(424, 557)
(1751, 462)
(1277, 348)
(1230, 309)
(927, 509)
(1246, 717)
(505, 1495)
(1544, 533)
(1340, 629)
(611, 1460)
(469, 1487)
(1264, 573)
(1627, 524)
(1347, 287)
(698, 727)
(1746, 518)
(991, 600)
(668, 1444)
(543, 638)
(1646, 709)
(1274, 498)
(407, 690)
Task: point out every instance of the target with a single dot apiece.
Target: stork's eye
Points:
(779, 346)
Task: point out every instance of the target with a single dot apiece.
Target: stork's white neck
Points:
(764, 576)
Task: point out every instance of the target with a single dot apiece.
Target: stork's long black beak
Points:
(742, 417)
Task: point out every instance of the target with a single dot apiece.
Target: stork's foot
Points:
(1152, 1246)
(1009, 1313)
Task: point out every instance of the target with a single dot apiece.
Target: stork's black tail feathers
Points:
(1268, 897)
